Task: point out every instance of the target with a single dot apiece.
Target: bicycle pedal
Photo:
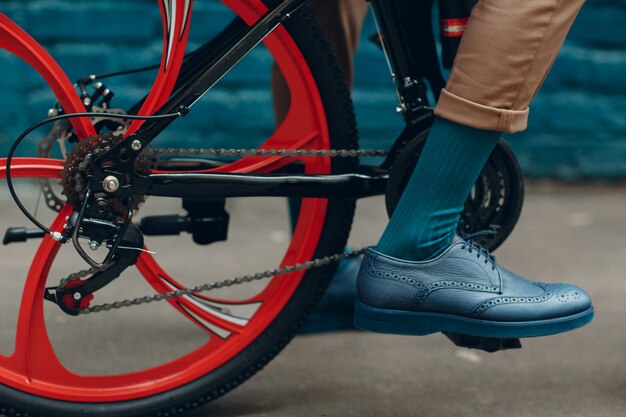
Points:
(487, 344)
(21, 234)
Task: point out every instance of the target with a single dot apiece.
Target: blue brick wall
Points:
(577, 126)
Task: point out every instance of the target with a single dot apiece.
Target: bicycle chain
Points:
(244, 279)
(333, 153)
(316, 263)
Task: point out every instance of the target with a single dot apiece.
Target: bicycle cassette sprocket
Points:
(78, 166)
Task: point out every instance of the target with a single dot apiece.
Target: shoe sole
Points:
(380, 320)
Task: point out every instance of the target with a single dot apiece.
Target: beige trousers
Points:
(508, 49)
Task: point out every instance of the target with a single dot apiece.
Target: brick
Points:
(600, 27)
(93, 21)
(573, 161)
(571, 111)
(595, 70)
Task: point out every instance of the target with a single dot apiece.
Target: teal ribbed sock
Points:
(426, 218)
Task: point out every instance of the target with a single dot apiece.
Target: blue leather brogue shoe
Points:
(464, 291)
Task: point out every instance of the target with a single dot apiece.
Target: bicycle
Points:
(111, 168)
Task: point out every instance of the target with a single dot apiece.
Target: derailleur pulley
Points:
(75, 295)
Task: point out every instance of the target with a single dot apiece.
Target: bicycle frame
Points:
(408, 42)
(411, 61)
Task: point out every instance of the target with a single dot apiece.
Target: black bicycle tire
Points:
(342, 127)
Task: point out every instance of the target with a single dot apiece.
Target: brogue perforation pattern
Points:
(569, 295)
(395, 277)
(465, 285)
(511, 300)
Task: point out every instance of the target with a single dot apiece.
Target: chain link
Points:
(333, 153)
(76, 275)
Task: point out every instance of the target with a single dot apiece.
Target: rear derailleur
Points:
(124, 242)
(101, 218)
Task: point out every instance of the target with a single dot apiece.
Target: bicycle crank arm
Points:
(210, 185)
(21, 234)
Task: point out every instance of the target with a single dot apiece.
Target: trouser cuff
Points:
(468, 113)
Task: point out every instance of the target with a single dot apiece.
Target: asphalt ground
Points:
(573, 234)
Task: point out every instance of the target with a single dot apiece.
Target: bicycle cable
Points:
(58, 236)
(93, 77)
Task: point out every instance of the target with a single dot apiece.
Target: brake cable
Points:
(58, 236)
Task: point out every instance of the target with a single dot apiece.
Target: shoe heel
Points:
(488, 344)
(379, 320)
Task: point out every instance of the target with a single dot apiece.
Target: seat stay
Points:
(205, 78)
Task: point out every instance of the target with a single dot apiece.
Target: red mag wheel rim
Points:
(34, 368)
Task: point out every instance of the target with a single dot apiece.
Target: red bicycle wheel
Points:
(35, 379)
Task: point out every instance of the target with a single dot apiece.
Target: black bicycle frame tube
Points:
(408, 38)
(204, 56)
(235, 49)
(209, 185)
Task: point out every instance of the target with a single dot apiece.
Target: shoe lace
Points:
(471, 243)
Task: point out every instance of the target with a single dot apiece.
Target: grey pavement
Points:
(573, 233)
